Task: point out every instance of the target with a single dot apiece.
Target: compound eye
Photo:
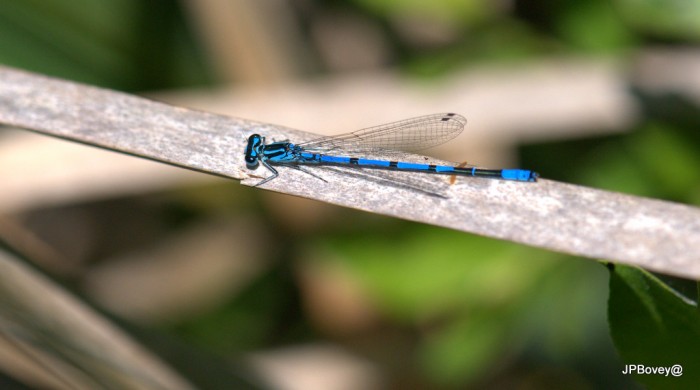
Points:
(251, 162)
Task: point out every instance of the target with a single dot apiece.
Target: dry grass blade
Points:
(50, 340)
(657, 235)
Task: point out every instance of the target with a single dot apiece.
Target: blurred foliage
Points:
(481, 305)
(671, 19)
(128, 44)
(457, 12)
(267, 313)
(651, 161)
(469, 310)
(591, 26)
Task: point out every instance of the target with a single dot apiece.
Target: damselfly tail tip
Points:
(518, 175)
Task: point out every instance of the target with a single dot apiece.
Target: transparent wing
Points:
(408, 135)
(425, 183)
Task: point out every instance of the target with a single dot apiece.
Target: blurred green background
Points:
(410, 306)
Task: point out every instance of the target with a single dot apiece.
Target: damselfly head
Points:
(252, 151)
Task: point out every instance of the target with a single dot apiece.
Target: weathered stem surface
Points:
(658, 235)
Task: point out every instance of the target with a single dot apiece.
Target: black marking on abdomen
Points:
(354, 160)
(463, 170)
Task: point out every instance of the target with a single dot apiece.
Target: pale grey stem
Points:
(658, 235)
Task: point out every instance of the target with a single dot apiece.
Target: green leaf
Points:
(654, 326)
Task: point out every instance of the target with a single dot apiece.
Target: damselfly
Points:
(352, 149)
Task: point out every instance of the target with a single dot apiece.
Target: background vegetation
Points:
(424, 307)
